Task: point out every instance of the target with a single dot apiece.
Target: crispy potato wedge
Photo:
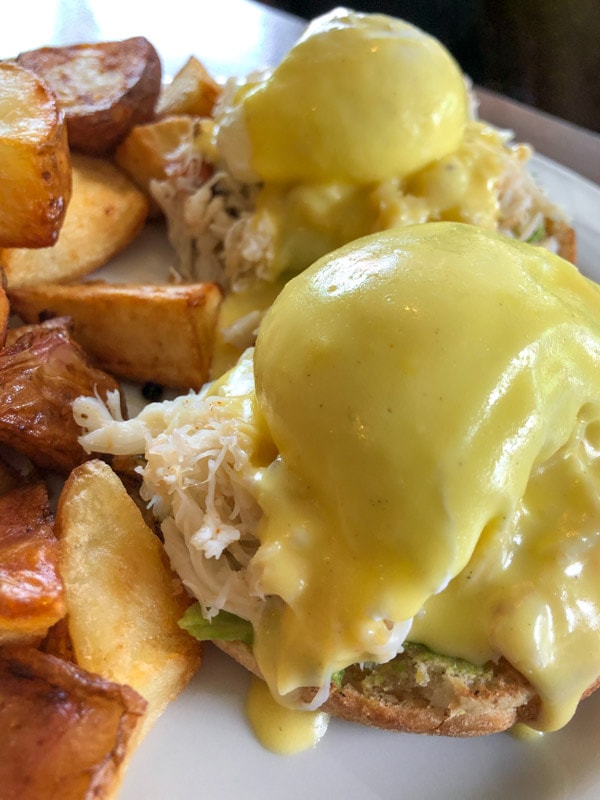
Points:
(107, 211)
(171, 147)
(41, 374)
(192, 91)
(31, 589)
(70, 732)
(36, 169)
(160, 333)
(104, 88)
(123, 601)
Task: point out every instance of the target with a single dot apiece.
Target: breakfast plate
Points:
(203, 745)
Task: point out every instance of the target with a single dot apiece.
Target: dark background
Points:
(545, 53)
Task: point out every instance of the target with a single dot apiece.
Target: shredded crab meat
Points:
(198, 480)
(213, 229)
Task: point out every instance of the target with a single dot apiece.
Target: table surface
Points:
(236, 36)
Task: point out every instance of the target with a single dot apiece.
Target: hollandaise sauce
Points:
(282, 730)
(408, 104)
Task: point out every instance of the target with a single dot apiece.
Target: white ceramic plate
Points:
(202, 747)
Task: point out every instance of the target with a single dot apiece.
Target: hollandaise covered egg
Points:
(407, 462)
(367, 124)
(360, 98)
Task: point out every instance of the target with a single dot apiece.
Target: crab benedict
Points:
(394, 498)
(367, 124)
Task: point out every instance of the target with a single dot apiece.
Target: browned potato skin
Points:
(34, 153)
(104, 88)
(31, 589)
(106, 213)
(159, 333)
(69, 730)
(41, 373)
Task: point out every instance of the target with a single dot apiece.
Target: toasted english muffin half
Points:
(422, 692)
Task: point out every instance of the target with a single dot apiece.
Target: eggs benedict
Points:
(366, 124)
(390, 507)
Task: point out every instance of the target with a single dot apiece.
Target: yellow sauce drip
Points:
(525, 733)
(282, 730)
(239, 316)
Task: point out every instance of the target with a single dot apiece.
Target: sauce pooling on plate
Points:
(282, 730)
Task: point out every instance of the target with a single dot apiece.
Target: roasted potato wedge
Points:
(160, 333)
(41, 373)
(123, 601)
(104, 88)
(31, 589)
(65, 733)
(34, 153)
(107, 211)
(171, 147)
(192, 91)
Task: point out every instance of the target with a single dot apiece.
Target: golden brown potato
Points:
(41, 373)
(123, 601)
(160, 333)
(104, 88)
(192, 91)
(107, 211)
(34, 153)
(31, 589)
(168, 148)
(64, 732)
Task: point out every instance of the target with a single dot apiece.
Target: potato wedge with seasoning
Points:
(70, 732)
(31, 589)
(36, 170)
(104, 88)
(192, 91)
(123, 600)
(106, 213)
(160, 333)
